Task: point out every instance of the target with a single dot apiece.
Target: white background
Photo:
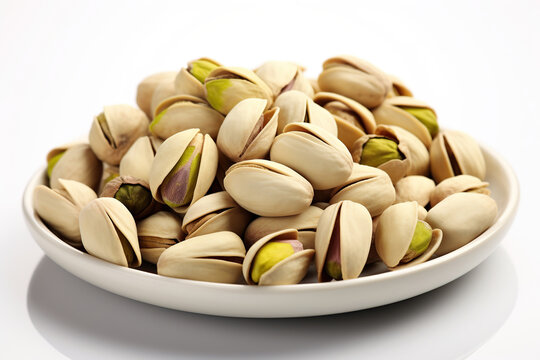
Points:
(476, 63)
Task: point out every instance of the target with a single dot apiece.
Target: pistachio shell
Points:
(227, 86)
(462, 217)
(164, 90)
(455, 153)
(168, 155)
(414, 188)
(347, 110)
(305, 223)
(158, 232)
(296, 106)
(60, 207)
(146, 89)
(215, 212)
(356, 79)
(137, 161)
(290, 270)
(187, 84)
(108, 231)
(368, 186)
(248, 131)
(314, 153)
(281, 76)
(183, 112)
(115, 130)
(212, 257)
(78, 163)
(398, 87)
(456, 184)
(134, 193)
(349, 224)
(267, 188)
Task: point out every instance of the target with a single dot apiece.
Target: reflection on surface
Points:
(85, 322)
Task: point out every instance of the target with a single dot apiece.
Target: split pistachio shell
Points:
(295, 106)
(138, 159)
(183, 112)
(109, 232)
(115, 130)
(146, 89)
(462, 217)
(353, 120)
(342, 241)
(267, 188)
(78, 163)
(368, 186)
(227, 86)
(289, 269)
(215, 257)
(305, 223)
(455, 153)
(163, 91)
(356, 79)
(187, 159)
(215, 212)
(457, 184)
(54, 155)
(398, 87)
(282, 76)
(396, 232)
(394, 111)
(414, 188)
(188, 84)
(158, 232)
(248, 130)
(59, 208)
(314, 153)
(133, 193)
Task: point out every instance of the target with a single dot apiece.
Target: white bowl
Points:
(306, 299)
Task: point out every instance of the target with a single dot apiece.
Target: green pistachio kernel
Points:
(156, 120)
(201, 68)
(215, 90)
(420, 241)
(135, 197)
(268, 256)
(53, 162)
(333, 269)
(377, 151)
(426, 116)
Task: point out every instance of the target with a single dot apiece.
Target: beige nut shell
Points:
(187, 84)
(79, 163)
(456, 184)
(290, 270)
(204, 257)
(284, 76)
(414, 188)
(168, 155)
(147, 87)
(355, 230)
(462, 217)
(314, 153)
(161, 225)
(267, 188)
(137, 161)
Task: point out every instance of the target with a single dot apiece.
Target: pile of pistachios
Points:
(230, 175)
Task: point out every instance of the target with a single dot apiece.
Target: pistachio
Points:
(402, 239)
(182, 112)
(378, 150)
(455, 153)
(267, 188)
(368, 186)
(314, 153)
(277, 259)
(133, 193)
(59, 208)
(148, 85)
(53, 161)
(158, 232)
(137, 161)
(248, 131)
(305, 223)
(183, 169)
(356, 79)
(282, 76)
(295, 106)
(77, 163)
(462, 217)
(190, 80)
(414, 188)
(109, 232)
(456, 184)
(215, 257)
(215, 212)
(162, 92)
(398, 87)
(227, 86)
(115, 130)
(342, 241)
(426, 116)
